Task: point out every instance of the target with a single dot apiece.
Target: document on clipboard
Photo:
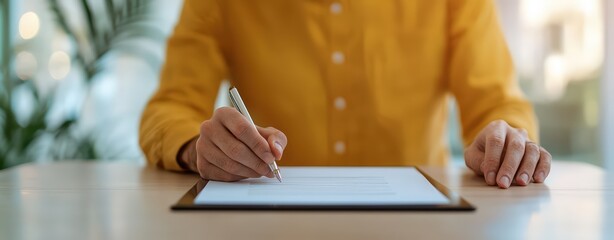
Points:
(329, 188)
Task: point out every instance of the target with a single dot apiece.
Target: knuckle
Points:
(199, 144)
(507, 169)
(232, 167)
(261, 147)
(224, 114)
(496, 140)
(545, 154)
(499, 123)
(225, 163)
(531, 148)
(223, 111)
(242, 129)
(217, 113)
(494, 123)
(532, 151)
(516, 145)
(491, 161)
(205, 127)
(523, 132)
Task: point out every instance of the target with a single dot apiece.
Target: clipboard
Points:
(455, 203)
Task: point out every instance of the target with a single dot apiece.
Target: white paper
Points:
(327, 186)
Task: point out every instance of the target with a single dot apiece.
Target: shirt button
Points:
(335, 8)
(339, 147)
(340, 103)
(338, 57)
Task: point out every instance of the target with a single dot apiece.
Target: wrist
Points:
(186, 158)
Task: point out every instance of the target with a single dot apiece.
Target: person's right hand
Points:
(229, 148)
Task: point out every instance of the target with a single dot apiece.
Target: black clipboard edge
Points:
(457, 203)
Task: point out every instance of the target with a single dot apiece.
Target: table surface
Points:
(90, 200)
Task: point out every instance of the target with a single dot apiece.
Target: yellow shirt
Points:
(360, 82)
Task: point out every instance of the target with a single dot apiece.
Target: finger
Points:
(474, 154)
(277, 140)
(211, 172)
(543, 166)
(473, 158)
(218, 158)
(528, 164)
(245, 131)
(515, 144)
(495, 142)
(524, 133)
(237, 151)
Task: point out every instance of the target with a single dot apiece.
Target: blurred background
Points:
(76, 75)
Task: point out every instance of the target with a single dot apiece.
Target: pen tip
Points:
(278, 176)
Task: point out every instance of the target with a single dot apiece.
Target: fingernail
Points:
(525, 178)
(490, 178)
(505, 181)
(279, 147)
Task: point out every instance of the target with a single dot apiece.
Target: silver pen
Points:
(237, 102)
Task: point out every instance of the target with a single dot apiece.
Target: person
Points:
(347, 82)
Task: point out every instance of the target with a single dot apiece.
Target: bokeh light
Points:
(59, 65)
(29, 24)
(25, 65)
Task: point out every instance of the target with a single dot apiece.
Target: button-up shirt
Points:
(360, 82)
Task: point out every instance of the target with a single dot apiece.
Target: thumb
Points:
(277, 140)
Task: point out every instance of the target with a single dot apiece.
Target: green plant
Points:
(21, 140)
(127, 24)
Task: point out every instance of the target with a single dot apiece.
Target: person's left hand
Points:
(502, 153)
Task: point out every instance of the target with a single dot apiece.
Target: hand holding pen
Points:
(231, 148)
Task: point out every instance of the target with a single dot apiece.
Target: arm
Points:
(498, 123)
(180, 130)
(189, 83)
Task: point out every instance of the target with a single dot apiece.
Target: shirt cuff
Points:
(173, 141)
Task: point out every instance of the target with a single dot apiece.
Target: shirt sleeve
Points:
(481, 72)
(189, 83)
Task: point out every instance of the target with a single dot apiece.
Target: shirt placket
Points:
(339, 107)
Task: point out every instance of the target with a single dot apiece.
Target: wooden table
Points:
(87, 200)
